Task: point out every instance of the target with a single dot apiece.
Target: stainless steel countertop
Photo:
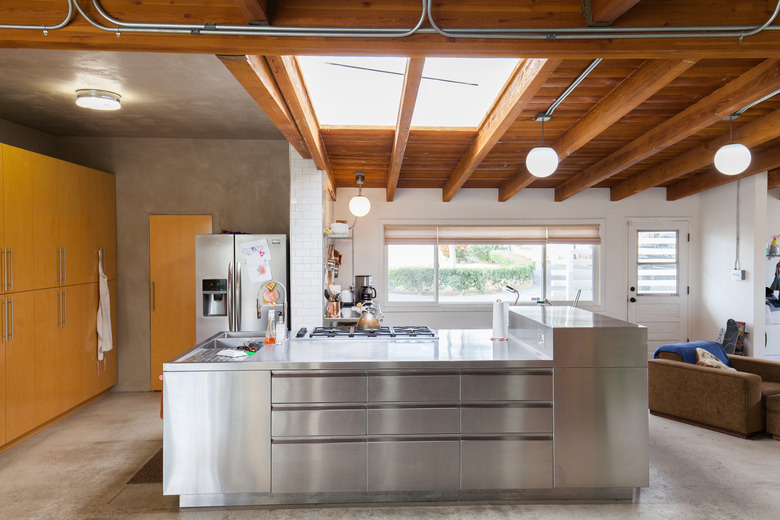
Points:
(455, 349)
(565, 317)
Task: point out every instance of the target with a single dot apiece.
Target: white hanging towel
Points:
(105, 341)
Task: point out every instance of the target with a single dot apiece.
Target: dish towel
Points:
(105, 341)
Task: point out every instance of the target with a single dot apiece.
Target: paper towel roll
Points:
(500, 320)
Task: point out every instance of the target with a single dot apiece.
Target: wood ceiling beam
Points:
(290, 81)
(756, 132)
(81, 35)
(764, 160)
(645, 81)
(254, 74)
(607, 11)
(751, 86)
(773, 179)
(529, 76)
(256, 10)
(412, 79)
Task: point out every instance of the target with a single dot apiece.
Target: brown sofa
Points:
(723, 400)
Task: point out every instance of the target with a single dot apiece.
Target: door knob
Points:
(632, 289)
(632, 299)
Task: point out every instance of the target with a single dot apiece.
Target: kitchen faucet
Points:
(283, 297)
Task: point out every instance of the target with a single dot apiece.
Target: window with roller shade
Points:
(472, 264)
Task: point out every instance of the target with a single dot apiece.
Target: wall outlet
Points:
(738, 274)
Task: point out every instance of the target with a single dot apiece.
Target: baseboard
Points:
(51, 422)
(706, 426)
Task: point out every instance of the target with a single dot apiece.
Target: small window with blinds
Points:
(473, 264)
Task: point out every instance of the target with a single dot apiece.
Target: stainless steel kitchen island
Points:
(559, 411)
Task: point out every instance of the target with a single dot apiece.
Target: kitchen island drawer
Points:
(318, 467)
(507, 463)
(318, 388)
(507, 418)
(413, 465)
(400, 387)
(413, 421)
(297, 421)
(520, 385)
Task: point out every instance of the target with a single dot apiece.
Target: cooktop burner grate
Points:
(381, 332)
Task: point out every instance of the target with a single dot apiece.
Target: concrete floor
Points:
(78, 469)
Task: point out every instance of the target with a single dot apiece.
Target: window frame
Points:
(597, 304)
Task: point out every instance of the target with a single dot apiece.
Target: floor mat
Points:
(151, 472)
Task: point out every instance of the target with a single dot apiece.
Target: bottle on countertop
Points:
(281, 329)
(270, 338)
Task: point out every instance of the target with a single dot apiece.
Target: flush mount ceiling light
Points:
(733, 158)
(359, 205)
(98, 99)
(542, 160)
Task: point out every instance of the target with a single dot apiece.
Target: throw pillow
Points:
(706, 359)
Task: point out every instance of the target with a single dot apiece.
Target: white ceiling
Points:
(163, 95)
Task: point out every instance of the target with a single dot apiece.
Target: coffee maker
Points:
(364, 288)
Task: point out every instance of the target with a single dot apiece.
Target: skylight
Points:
(459, 91)
(454, 92)
(354, 91)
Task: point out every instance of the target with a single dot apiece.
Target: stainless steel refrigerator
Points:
(231, 274)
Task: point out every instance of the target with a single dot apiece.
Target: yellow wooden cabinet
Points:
(54, 217)
(19, 365)
(17, 244)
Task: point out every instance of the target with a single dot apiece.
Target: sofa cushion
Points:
(768, 389)
(688, 351)
(706, 359)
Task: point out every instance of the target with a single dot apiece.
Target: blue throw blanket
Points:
(688, 350)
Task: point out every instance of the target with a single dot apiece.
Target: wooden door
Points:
(172, 290)
(3, 327)
(20, 367)
(49, 307)
(70, 372)
(106, 204)
(46, 239)
(97, 377)
(77, 219)
(18, 212)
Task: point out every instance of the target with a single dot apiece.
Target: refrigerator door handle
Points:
(230, 302)
(238, 296)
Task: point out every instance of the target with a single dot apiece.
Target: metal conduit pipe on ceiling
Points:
(547, 33)
(44, 28)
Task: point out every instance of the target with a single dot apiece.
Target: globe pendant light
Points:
(359, 205)
(733, 158)
(542, 160)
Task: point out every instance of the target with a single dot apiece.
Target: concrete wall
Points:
(28, 139)
(527, 207)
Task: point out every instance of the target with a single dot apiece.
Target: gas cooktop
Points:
(381, 332)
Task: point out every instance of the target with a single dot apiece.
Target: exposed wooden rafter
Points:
(290, 81)
(630, 93)
(255, 10)
(751, 86)
(607, 11)
(773, 179)
(528, 78)
(764, 160)
(756, 132)
(412, 79)
(256, 77)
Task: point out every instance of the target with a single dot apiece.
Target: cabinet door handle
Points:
(11, 270)
(5, 272)
(11, 321)
(64, 308)
(59, 265)
(5, 321)
(59, 307)
(64, 267)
